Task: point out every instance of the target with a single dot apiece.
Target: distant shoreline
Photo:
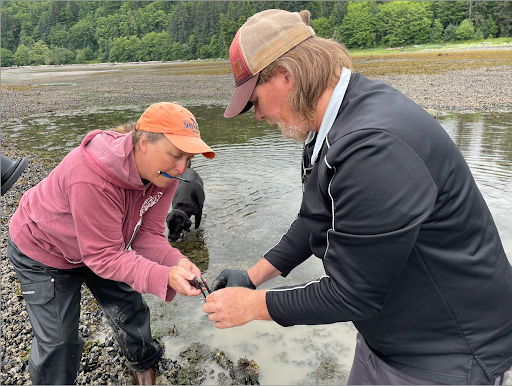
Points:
(15, 73)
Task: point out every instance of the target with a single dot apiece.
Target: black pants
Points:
(369, 369)
(52, 299)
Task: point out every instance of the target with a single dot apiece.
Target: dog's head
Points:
(177, 222)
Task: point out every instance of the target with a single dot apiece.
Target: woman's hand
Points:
(180, 276)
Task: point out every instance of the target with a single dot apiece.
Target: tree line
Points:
(65, 32)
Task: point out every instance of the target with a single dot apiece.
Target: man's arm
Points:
(263, 271)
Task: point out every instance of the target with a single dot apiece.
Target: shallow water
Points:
(252, 194)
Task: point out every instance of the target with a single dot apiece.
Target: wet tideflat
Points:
(253, 193)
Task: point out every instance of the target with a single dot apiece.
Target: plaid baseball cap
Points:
(177, 124)
(263, 38)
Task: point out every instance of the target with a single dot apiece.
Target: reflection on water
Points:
(485, 140)
(253, 192)
(194, 247)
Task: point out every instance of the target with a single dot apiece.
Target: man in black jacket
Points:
(411, 253)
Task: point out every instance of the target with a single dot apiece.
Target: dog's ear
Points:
(175, 225)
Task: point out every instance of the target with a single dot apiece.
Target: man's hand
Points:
(232, 278)
(180, 276)
(231, 307)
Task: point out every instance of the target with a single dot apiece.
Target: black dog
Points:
(188, 200)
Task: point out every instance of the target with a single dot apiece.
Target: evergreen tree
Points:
(175, 51)
(436, 33)
(449, 33)
(206, 28)
(7, 57)
(450, 12)
(338, 13)
(323, 27)
(39, 54)
(10, 28)
(492, 28)
(402, 23)
(504, 18)
(465, 30)
(192, 47)
(59, 55)
(21, 56)
(215, 47)
(359, 26)
(82, 34)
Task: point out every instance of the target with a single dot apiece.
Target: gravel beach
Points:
(461, 85)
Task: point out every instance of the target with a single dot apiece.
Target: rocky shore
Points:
(466, 88)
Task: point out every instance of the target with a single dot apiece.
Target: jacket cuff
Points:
(158, 280)
(272, 307)
(171, 258)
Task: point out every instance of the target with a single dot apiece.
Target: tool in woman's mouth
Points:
(167, 175)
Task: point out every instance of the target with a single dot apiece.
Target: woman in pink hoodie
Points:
(99, 219)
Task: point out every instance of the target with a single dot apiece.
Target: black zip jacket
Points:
(411, 253)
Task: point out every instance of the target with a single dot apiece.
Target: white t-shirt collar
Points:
(330, 113)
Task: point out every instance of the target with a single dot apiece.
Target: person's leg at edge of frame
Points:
(129, 317)
(52, 299)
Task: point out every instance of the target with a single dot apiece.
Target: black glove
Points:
(232, 278)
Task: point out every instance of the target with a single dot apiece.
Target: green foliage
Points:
(338, 13)
(504, 18)
(154, 46)
(449, 33)
(82, 35)
(85, 31)
(215, 47)
(84, 56)
(228, 29)
(21, 57)
(436, 33)
(39, 54)
(492, 28)
(192, 47)
(405, 22)
(465, 30)
(61, 55)
(359, 25)
(450, 12)
(323, 27)
(58, 36)
(7, 57)
(116, 53)
(175, 52)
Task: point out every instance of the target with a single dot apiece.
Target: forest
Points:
(67, 32)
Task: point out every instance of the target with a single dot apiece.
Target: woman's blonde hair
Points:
(136, 134)
(313, 65)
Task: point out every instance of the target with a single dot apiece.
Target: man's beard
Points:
(299, 134)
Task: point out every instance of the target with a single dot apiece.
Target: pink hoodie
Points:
(85, 212)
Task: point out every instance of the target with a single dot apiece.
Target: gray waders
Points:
(52, 299)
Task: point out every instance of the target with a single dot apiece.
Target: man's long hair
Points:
(313, 65)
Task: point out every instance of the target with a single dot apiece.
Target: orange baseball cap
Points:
(177, 124)
(263, 38)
